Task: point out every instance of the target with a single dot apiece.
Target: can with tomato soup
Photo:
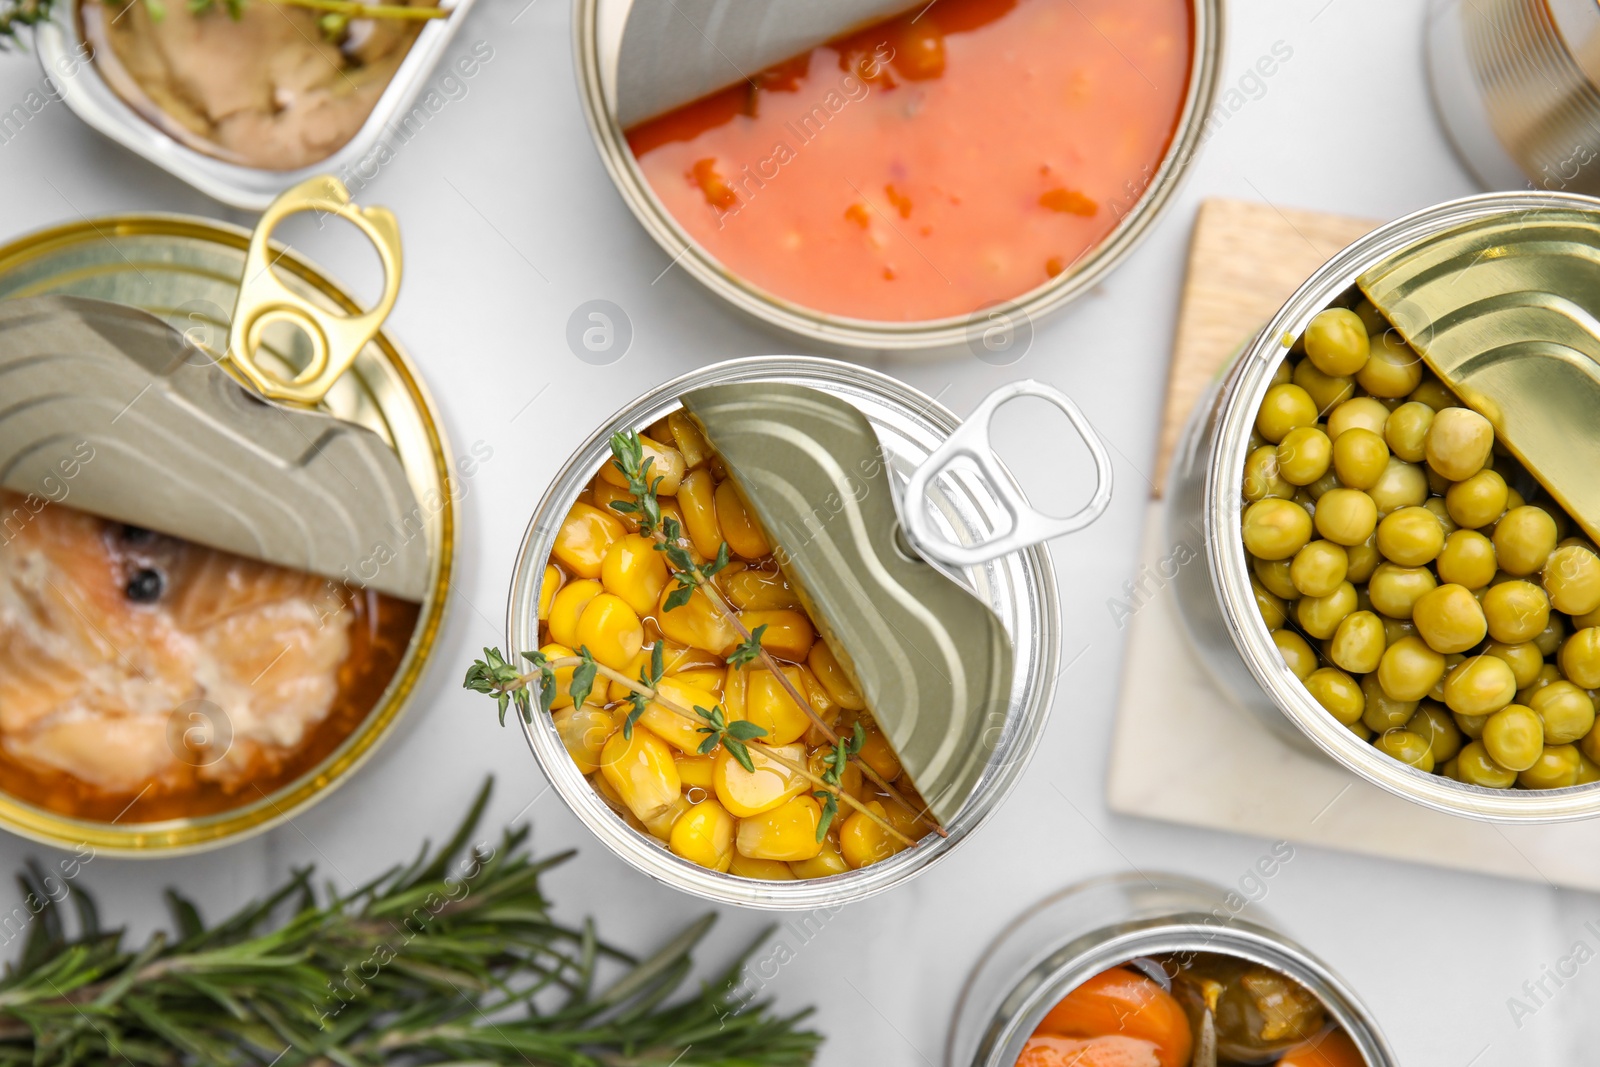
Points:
(1086, 930)
(1019, 587)
(762, 177)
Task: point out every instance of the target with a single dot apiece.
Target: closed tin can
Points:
(1070, 937)
(1515, 83)
(186, 270)
(1216, 600)
(1019, 587)
(597, 31)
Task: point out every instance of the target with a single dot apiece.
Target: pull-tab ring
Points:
(1029, 526)
(264, 299)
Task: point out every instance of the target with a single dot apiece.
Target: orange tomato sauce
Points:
(933, 164)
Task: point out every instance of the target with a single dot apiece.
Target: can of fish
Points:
(847, 304)
(1514, 82)
(1217, 601)
(1018, 588)
(1161, 928)
(187, 271)
(139, 75)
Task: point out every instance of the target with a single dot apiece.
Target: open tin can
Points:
(598, 27)
(1086, 929)
(1216, 601)
(187, 271)
(1019, 587)
(66, 57)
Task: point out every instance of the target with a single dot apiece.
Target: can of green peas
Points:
(1019, 587)
(1132, 950)
(1220, 601)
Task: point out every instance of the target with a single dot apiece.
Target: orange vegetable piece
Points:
(1125, 1003)
(1110, 1051)
(1333, 1049)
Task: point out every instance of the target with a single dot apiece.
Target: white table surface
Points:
(510, 224)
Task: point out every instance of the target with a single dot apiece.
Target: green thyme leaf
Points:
(749, 650)
(830, 808)
(582, 678)
(745, 730)
(737, 749)
(678, 597)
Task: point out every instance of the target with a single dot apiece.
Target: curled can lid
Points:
(932, 661)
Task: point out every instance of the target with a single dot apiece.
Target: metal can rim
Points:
(649, 856)
(1242, 389)
(1060, 965)
(175, 837)
(931, 337)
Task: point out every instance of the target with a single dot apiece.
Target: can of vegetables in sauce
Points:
(1133, 961)
(882, 259)
(1019, 588)
(1218, 602)
(186, 271)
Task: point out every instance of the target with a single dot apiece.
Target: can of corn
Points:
(187, 270)
(1066, 939)
(1217, 601)
(1018, 587)
(1514, 82)
(598, 31)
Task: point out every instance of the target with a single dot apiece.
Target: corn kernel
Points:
(642, 772)
(769, 706)
(708, 678)
(676, 658)
(668, 466)
(602, 494)
(744, 535)
(821, 702)
(585, 536)
(661, 825)
(833, 677)
(696, 623)
(547, 589)
(753, 590)
(584, 731)
(761, 870)
(635, 571)
(862, 841)
(687, 436)
(825, 863)
(567, 606)
(697, 501)
(611, 632)
(678, 731)
(616, 691)
(746, 793)
(735, 688)
(788, 634)
(902, 819)
(695, 771)
(879, 755)
(787, 832)
(563, 697)
(704, 835)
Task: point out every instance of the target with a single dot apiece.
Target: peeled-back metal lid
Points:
(930, 659)
(182, 446)
(1504, 310)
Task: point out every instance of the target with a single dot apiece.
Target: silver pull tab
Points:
(1028, 525)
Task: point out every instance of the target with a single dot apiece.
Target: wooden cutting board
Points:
(1181, 751)
(1245, 260)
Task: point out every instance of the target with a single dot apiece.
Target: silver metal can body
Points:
(1019, 588)
(1069, 937)
(1216, 602)
(597, 33)
(1514, 83)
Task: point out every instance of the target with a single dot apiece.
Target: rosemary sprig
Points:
(627, 451)
(15, 14)
(455, 958)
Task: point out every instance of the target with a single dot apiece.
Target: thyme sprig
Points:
(455, 958)
(495, 677)
(835, 761)
(729, 735)
(627, 452)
